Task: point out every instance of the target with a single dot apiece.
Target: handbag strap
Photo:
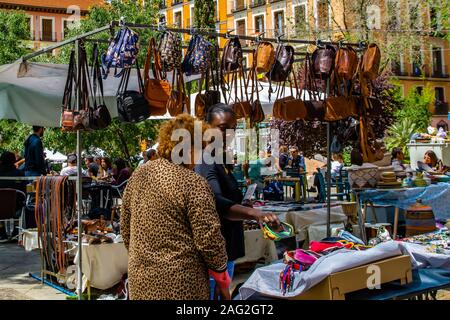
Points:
(96, 77)
(67, 97)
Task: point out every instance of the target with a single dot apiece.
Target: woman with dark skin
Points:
(228, 197)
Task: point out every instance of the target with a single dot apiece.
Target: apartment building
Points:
(49, 19)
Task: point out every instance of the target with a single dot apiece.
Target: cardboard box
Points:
(336, 285)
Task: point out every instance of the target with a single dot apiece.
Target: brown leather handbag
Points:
(371, 62)
(156, 90)
(346, 63)
(178, 101)
(339, 108)
(323, 61)
(67, 113)
(203, 101)
(315, 108)
(265, 57)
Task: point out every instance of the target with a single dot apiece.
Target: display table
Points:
(104, 264)
(436, 195)
(257, 247)
(300, 192)
(303, 220)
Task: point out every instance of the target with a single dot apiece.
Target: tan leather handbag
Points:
(371, 62)
(265, 57)
(346, 63)
(157, 90)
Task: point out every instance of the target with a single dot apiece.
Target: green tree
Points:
(415, 107)
(204, 14)
(119, 139)
(13, 29)
(399, 134)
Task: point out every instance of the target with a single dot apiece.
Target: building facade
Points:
(48, 19)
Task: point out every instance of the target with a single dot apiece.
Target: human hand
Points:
(266, 217)
(222, 293)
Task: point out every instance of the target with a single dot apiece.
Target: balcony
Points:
(175, 2)
(239, 7)
(440, 73)
(440, 108)
(257, 3)
(48, 37)
(273, 1)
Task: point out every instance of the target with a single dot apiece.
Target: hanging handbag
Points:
(231, 55)
(122, 52)
(83, 118)
(265, 57)
(198, 56)
(178, 101)
(170, 51)
(315, 108)
(289, 108)
(157, 90)
(371, 62)
(323, 61)
(67, 113)
(242, 107)
(101, 115)
(132, 105)
(284, 60)
(203, 101)
(346, 63)
(257, 113)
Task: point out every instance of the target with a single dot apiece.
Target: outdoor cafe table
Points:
(437, 196)
(297, 181)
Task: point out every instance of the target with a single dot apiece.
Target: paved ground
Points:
(15, 283)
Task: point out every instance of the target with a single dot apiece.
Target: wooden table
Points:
(297, 180)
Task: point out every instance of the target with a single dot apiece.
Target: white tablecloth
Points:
(104, 264)
(256, 247)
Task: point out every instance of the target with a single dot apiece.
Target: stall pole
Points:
(328, 169)
(79, 192)
(328, 179)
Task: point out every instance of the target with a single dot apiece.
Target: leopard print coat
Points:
(171, 229)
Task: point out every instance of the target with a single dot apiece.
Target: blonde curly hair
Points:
(182, 121)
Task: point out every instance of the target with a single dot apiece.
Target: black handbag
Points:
(100, 114)
(131, 105)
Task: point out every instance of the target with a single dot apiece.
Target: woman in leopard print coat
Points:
(170, 227)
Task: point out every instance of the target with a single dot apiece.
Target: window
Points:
(65, 27)
(437, 61)
(393, 15)
(439, 94)
(240, 30)
(259, 24)
(47, 30)
(322, 15)
(192, 19)
(419, 90)
(416, 61)
(162, 19)
(414, 16)
(178, 19)
(279, 23)
(29, 26)
(300, 18)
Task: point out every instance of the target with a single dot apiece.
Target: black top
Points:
(227, 194)
(34, 155)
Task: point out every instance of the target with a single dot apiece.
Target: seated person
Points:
(92, 171)
(296, 160)
(398, 158)
(121, 171)
(283, 158)
(71, 169)
(431, 163)
(336, 165)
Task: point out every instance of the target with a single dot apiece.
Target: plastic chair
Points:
(340, 183)
(8, 199)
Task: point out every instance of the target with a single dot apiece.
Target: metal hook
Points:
(341, 43)
(279, 38)
(228, 34)
(258, 38)
(319, 43)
